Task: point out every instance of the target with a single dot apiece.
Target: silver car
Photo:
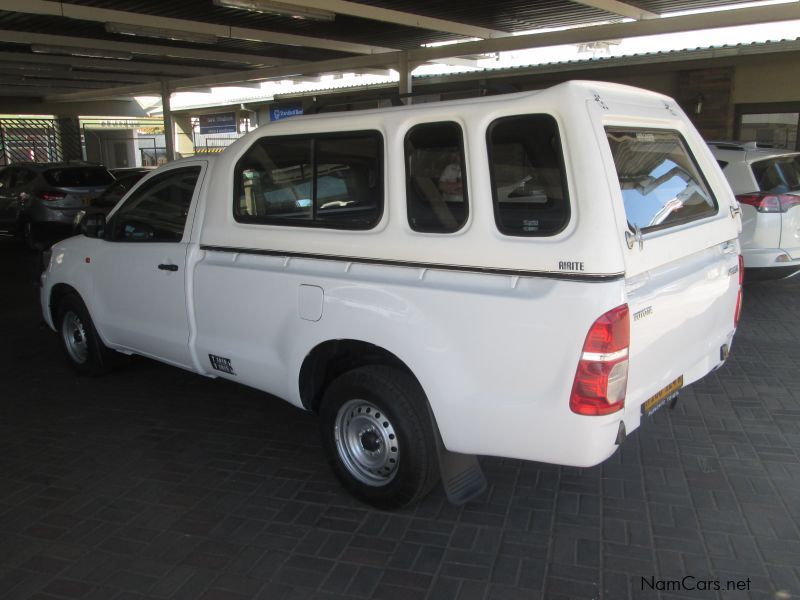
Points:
(40, 200)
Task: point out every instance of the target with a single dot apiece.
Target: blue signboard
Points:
(218, 123)
(276, 113)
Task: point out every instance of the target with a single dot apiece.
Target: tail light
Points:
(738, 312)
(53, 196)
(769, 203)
(602, 376)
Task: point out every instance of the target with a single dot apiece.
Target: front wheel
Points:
(80, 343)
(378, 436)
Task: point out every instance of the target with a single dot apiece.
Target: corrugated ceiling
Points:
(507, 16)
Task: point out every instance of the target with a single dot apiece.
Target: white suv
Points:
(766, 182)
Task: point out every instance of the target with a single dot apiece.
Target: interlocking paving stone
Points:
(152, 483)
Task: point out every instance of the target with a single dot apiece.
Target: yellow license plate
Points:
(658, 399)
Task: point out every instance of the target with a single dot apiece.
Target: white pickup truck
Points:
(524, 276)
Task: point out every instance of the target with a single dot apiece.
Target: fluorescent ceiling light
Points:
(75, 51)
(270, 7)
(161, 33)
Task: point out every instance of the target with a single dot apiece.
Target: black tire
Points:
(78, 338)
(385, 412)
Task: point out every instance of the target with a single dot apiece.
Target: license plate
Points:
(660, 398)
(87, 200)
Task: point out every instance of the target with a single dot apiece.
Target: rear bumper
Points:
(44, 214)
(768, 263)
(770, 273)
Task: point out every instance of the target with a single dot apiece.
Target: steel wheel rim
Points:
(73, 332)
(367, 443)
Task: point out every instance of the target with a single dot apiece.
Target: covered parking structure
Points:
(153, 483)
(91, 57)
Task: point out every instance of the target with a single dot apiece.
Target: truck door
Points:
(140, 300)
(682, 263)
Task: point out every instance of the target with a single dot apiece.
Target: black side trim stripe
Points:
(594, 278)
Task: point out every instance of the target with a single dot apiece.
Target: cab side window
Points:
(436, 190)
(529, 186)
(332, 180)
(157, 212)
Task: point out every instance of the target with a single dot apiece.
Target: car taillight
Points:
(52, 196)
(738, 312)
(741, 270)
(769, 203)
(602, 376)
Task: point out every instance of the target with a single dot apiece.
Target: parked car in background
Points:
(121, 172)
(126, 178)
(113, 193)
(766, 182)
(40, 200)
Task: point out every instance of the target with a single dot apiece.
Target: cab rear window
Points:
(332, 180)
(660, 181)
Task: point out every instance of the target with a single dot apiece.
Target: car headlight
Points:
(78, 217)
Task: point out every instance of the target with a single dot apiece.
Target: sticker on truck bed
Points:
(660, 398)
(219, 363)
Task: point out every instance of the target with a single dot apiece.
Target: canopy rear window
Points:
(660, 181)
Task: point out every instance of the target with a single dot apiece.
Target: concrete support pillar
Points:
(404, 68)
(169, 127)
(184, 135)
(68, 133)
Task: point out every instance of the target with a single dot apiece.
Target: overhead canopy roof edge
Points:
(695, 22)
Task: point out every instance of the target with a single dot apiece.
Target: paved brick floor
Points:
(154, 483)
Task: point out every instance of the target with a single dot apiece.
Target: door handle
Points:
(168, 267)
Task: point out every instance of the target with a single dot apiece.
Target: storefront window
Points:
(778, 129)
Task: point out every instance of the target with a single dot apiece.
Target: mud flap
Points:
(462, 476)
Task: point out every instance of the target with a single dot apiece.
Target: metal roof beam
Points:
(374, 13)
(618, 8)
(767, 14)
(105, 15)
(18, 37)
(90, 76)
(19, 80)
(156, 69)
(388, 59)
(696, 22)
(33, 91)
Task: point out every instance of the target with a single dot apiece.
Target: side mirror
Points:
(93, 225)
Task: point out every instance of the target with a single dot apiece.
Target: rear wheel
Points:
(80, 343)
(378, 437)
